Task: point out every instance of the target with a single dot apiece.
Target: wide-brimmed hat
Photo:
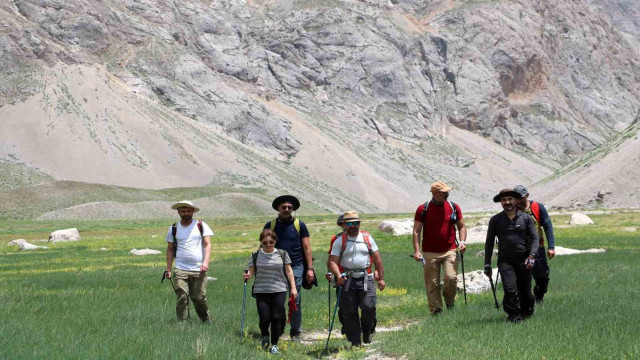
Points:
(440, 186)
(285, 199)
(521, 189)
(340, 219)
(185, 203)
(350, 216)
(506, 192)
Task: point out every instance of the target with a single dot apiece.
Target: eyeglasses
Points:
(286, 207)
(352, 223)
(268, 242)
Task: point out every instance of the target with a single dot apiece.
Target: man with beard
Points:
(293, 237)
(189, 243)
(354, 251)
(540, 216)
(517, 247)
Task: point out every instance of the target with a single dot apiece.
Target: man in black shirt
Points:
(517, 245)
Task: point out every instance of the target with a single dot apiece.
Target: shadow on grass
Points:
(319, 352)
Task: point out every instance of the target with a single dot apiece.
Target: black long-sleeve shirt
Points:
(517, 237)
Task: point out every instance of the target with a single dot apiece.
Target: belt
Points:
(360, 272)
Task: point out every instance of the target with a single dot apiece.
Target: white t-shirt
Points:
(190, 249)
(356, 253)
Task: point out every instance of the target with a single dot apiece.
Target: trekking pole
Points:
(422, 260)
(335, 310)
(329, 297)
(244, 302)
(464, 283)
(164, 276)
(493, 289)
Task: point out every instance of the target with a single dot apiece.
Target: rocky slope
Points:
(348, 103)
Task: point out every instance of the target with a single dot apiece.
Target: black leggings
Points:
(271, 312)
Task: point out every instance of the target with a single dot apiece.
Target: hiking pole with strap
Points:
(329, 297)
(335, 310)
(422, 260)
(164, 276)
(244, 302)
(464, 283)
(493, 289)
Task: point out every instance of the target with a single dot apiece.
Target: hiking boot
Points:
(436, 312)
(539, 300)
(516, 319)
(356, 346)
(274, 350)
(366, 338)
(450, 306)
(264, 342)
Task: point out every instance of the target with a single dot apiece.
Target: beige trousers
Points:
(191, 285)
(435, 292)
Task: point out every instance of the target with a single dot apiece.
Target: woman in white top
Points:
(274, 277)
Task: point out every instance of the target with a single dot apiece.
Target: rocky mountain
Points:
(346, 103)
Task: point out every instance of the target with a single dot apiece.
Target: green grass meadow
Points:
(75, 301)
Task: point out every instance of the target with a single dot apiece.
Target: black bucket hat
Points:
(285, 199)
(506, 192)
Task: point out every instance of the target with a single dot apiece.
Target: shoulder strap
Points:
(365, 235)
(201, 228)
(343, 246)
(174, 231)
(272, 224)
(453, 208)
(535, 210)
(282, 255)
(254, 255)
(424, 212)
(296, 224)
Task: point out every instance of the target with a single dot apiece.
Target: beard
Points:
(186, 218)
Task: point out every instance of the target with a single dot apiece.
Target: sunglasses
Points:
(268, 242)
(352, 223)
(286, 207)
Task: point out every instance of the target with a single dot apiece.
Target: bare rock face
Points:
(580, 219)
(397, 228)
(66, 235)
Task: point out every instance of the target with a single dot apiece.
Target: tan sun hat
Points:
(350, 216)
(440, 186)
(185, 203)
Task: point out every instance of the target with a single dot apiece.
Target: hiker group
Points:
(284, 263)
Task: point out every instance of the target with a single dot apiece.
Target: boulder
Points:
(630, 229)
(211, 279)
(477, 235)
(17, 242)
(580, 219)
(397, 227)
(566, 251)
(143, 252)
(26, 246)
(476, 281)
(66, 235)
(483, 222)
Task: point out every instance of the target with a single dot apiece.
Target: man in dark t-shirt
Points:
(293, 236)
(437, 219)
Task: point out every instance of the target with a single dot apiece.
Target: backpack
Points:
(454, 215)
(343, 247)
(296, 224)
(535, 210)
(174, 231)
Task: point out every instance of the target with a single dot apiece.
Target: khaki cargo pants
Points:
(435, 292)
(191, 285)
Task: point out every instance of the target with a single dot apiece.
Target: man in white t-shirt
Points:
(192, 252)
(357, 281)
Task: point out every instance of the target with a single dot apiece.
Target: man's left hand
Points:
(204, 268)
(381, 285)
(310, 276)
(463, 248)
(551, 253)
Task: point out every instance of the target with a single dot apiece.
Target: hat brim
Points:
(350, 219)
(182, 204)
(506, 193)
(285, 199)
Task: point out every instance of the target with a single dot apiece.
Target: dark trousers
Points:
(353, 298)
(516, 282)
(375, 317)
(271, 312)
(541, 274)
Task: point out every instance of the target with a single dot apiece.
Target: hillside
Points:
(357, 104)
